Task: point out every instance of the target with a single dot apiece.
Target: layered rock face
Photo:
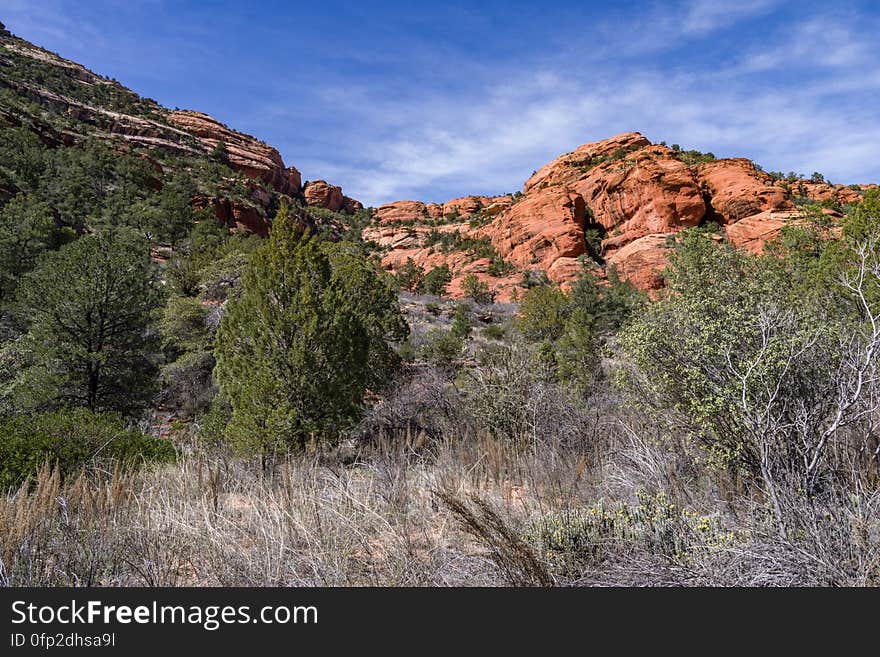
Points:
(618, 202)
(246, 154)
(736, 190)
(540, 229)
(259, 161)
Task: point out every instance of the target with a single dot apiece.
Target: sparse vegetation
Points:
(691, 157)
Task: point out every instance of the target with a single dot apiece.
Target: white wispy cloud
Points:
(431, 121)
(705, 16)
(803, 100)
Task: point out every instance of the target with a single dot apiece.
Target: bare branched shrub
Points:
(421, 406)
(513, 395)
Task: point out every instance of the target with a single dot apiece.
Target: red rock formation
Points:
(642, 261)
(351, 205)
(323, 195)
(638, 195)
(246, 154)
(465, 206)
(294, 179)
(401, 211)
(648, 192)
(144, 124)
(569, 168)
(243, 218)
(826, 192)
(540, 229)
(752, 233)
(736, 189)
(629, 185)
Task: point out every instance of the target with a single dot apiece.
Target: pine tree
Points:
(27, 228)
(89, 306)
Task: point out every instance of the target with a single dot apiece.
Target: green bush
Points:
(69, 440)
(476, 289)
(461, 321)
(443, 347)
(223, 276)
(435, 281)
(410, 276)
(543, 313)
(499, 267)
(494, 332)
(406, 351)
(575, 539)
(183, 327)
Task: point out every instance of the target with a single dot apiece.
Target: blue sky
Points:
(396, 100)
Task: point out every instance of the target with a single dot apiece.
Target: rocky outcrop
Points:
(237, 216)
(752, 233)
(321, 194)
(643, 260)
(736, 189)
(351, 205)
(148, 125)
(636, 193)
(569, 168)
(630, 194)
(646, 192)
(630, 186)
(464, 207)
(823, 191)
(243, 153)
(402, 212)
(540, 229)
(294, 179)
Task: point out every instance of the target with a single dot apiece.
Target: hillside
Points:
(240, 178)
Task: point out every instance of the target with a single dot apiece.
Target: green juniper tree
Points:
(410, 275)
(476, 289)
(435, 281)
(294, 350)
(373, 298)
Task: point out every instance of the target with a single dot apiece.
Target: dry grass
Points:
(213, 520)
(408, 511)
(574, 492)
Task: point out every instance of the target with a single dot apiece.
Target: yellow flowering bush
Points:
(574, 538)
